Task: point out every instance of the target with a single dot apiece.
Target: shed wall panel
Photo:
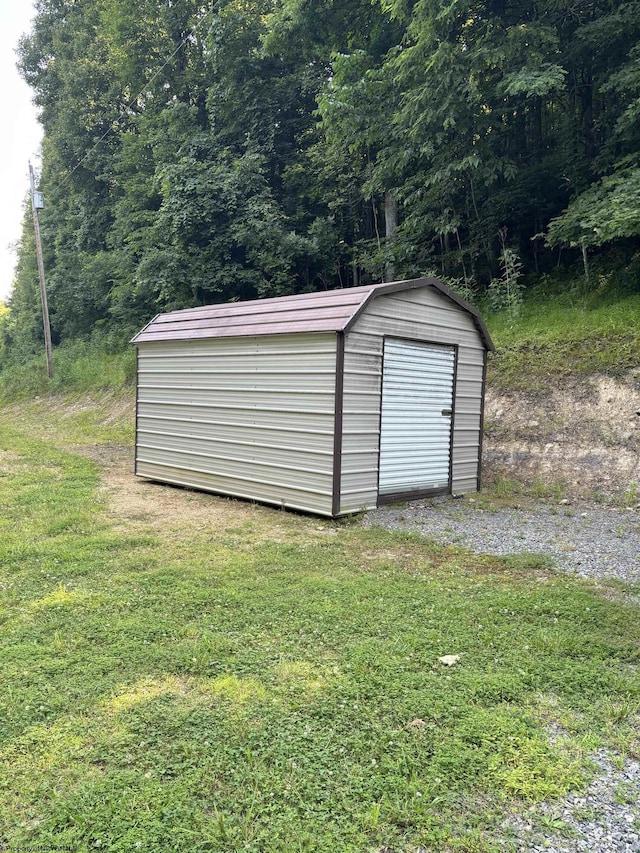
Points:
(310, 439)
(255, 490)
(242, 347)
(423, 315)
(236, 417)
(240, 413)
(293, 382)
(361, 419)
(256, 397)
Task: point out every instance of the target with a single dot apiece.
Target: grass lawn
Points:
(261, 681)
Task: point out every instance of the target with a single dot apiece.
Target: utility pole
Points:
(37, 204)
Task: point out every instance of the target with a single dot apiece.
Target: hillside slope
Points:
(563, 397)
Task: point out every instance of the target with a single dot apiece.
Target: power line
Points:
(132, 101)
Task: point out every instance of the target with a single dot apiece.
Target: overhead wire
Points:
(129, 104)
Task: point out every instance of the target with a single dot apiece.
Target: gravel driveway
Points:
(594, 542)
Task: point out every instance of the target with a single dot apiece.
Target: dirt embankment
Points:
(582, 437)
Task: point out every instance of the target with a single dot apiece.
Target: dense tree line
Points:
(197, 152)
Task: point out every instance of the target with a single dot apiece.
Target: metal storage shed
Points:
(327, 402)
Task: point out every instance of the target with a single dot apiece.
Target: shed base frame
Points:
(413, 495)
(239, 496)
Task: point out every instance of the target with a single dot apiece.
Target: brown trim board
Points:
(135, 448)
(412, 496)
(482, 404)
(337, 426)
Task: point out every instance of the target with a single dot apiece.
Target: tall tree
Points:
(225, 149)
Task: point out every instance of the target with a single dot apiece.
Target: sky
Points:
(20, 139)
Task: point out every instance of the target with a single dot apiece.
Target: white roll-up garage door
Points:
(417, 402)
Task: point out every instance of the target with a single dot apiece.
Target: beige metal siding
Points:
(361, 420)
(247, 417)
(423, 314)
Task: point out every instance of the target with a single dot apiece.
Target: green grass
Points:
(505, 491)
(562, 333)
(78, 367)
(77, 420)
(271, 682)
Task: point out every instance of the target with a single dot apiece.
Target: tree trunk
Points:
(391, 225)
(585, 263)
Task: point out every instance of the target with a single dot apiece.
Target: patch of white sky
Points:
(20, 140)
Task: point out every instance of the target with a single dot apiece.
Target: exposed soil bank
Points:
(582, 437)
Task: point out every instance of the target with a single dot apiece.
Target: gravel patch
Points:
(594, 542)
(603, 819)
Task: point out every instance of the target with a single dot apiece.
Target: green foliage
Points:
(78, 366)
(607, 211)
(199, 152)
(505, 293)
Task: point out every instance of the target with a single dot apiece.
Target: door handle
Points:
(447, 412)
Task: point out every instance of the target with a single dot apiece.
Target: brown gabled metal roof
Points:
(326, 311)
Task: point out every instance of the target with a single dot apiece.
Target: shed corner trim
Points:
(338, 426)
(134, 339)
